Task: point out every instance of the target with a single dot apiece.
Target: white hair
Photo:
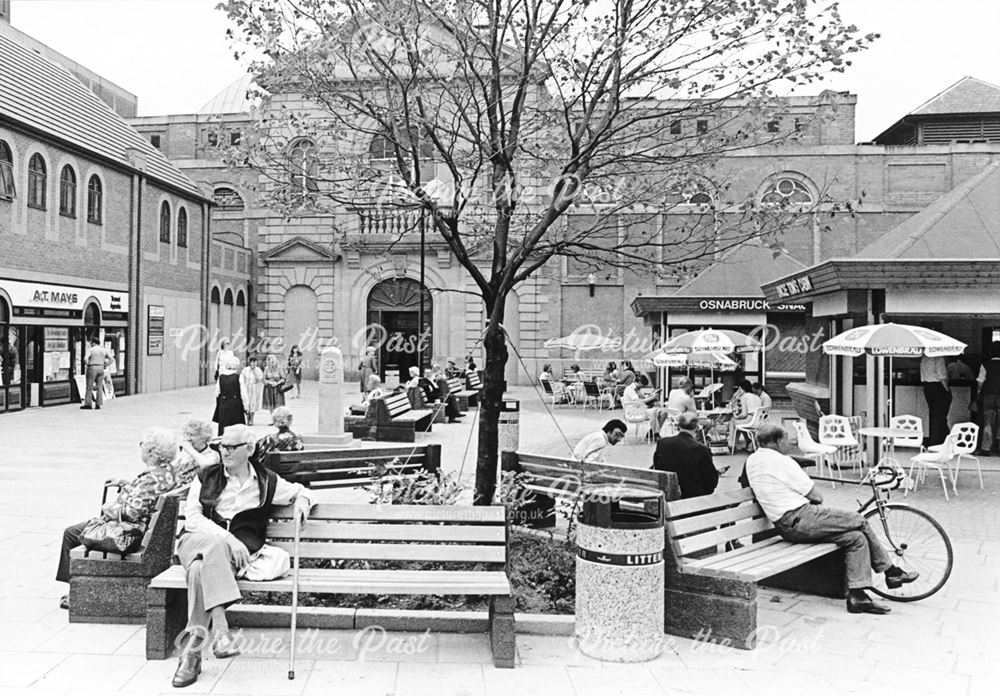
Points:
(160, 445)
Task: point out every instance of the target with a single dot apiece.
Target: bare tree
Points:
(525, 131)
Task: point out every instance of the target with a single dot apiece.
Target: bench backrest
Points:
(438, 533)
(695, 526)
(455, 385)
(389, 407)
(473, 382)
(160, 532)
(351, 467)
(560, 477)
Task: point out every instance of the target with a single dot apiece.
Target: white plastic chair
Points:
(837, 432)
(939, 460)
(749, 428)
(910, 424)
(964, 437)
(637, 413)
(812, 449)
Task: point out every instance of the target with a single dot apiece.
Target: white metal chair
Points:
(593, 394)
(810, 448)
(837, 432)
(556, 391)
(637, 413)
(939, 460)
(910, 424)
(964, 436)
(749, 428)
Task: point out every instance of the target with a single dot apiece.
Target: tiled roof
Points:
(962, 224)
(44, 96)
(967, 96)
(741, 273)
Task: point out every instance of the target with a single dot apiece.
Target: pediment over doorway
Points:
(300, 250)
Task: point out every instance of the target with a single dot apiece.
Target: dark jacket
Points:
(691, 461)
(249, 526)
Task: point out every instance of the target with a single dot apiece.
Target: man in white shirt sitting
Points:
(765, 398)
(792, 503)
(591, 447)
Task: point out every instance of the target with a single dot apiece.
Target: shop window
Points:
(182, 228)
(165, 222)
(36, 182)
(6, 171)
(67, 192)
(303, 168)
(787, 190)
(95, 199)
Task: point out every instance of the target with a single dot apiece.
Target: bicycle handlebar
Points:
(895, 480)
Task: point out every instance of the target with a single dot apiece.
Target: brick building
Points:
(101, 236)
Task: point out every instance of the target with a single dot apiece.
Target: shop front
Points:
(44, 333)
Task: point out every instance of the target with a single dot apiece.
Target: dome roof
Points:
(233, 99)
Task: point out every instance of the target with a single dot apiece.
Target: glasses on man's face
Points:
(232, 448)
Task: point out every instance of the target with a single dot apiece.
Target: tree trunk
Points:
(489, 406)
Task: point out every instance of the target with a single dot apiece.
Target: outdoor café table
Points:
(889, 434)
(714, 416)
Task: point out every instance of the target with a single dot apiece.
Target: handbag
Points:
(286, 387)
(112, 536)
(269, 563)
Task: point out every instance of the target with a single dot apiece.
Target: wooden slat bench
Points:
(111, 588)
(557, 477)
(349, 468)
(392, 418)
(473, 383)
(719, 548)
(464, 397)
(474, 537)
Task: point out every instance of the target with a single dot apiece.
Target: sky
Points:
(174, 54)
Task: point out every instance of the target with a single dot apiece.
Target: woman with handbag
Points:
(122, 522)
(252, 388)
(368, 367)
(274, 383)
(229, 408)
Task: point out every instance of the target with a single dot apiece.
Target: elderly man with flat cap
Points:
(228, 507)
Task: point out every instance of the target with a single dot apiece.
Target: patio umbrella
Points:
(712, 341)
(586, 337)
(892, 341)
(711, 361)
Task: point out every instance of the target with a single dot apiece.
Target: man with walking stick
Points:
(227, 512)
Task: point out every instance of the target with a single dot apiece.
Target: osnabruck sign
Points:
(712, 304)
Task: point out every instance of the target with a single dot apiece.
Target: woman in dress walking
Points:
(274, 377)
(368, 367)
(228, 402)
(252, 388)
(295, 370)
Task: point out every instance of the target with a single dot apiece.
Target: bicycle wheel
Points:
(915, 541)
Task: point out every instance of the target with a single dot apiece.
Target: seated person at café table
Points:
(626, 378)
(688, 458)
(679, 400)
(795, 508)
(743, 404)
(546, 374)
(765, 398)
(591, 447)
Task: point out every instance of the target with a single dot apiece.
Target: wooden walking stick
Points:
(295, 598)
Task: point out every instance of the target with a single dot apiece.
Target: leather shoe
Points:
(865, 606)
(224, 646)
(895, 581)
(188, 669)
(64, 602)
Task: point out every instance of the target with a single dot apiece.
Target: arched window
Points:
(216, 297)
(303, 167)
(67, 192)
(227, 199)
(6, 171)
(787, 190)
(241, 300)
(165, 223)
(381, 148)
(228, 297)
(95, 199)
(182, 228)
(4, 313)
(36, 182)
(700, 198)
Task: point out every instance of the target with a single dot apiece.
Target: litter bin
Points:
(619, 574)
(508, 425)
(391, 376)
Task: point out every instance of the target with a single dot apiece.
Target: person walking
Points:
(252, 388)
(295, 370)
(368, 368)
(229, 408)
(274, 378)
(96, 360)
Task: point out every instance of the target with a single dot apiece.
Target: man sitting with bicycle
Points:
(792, 503)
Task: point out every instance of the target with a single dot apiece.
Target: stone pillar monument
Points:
(331, 407)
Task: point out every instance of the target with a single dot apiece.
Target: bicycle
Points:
(916, 539)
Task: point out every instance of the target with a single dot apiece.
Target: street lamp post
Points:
(420, 314)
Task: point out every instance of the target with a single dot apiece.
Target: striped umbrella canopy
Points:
(583, 338)
(894, 341)
(712, 341)
(708, 361)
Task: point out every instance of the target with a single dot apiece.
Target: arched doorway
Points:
(301, 328)
(394, 305)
